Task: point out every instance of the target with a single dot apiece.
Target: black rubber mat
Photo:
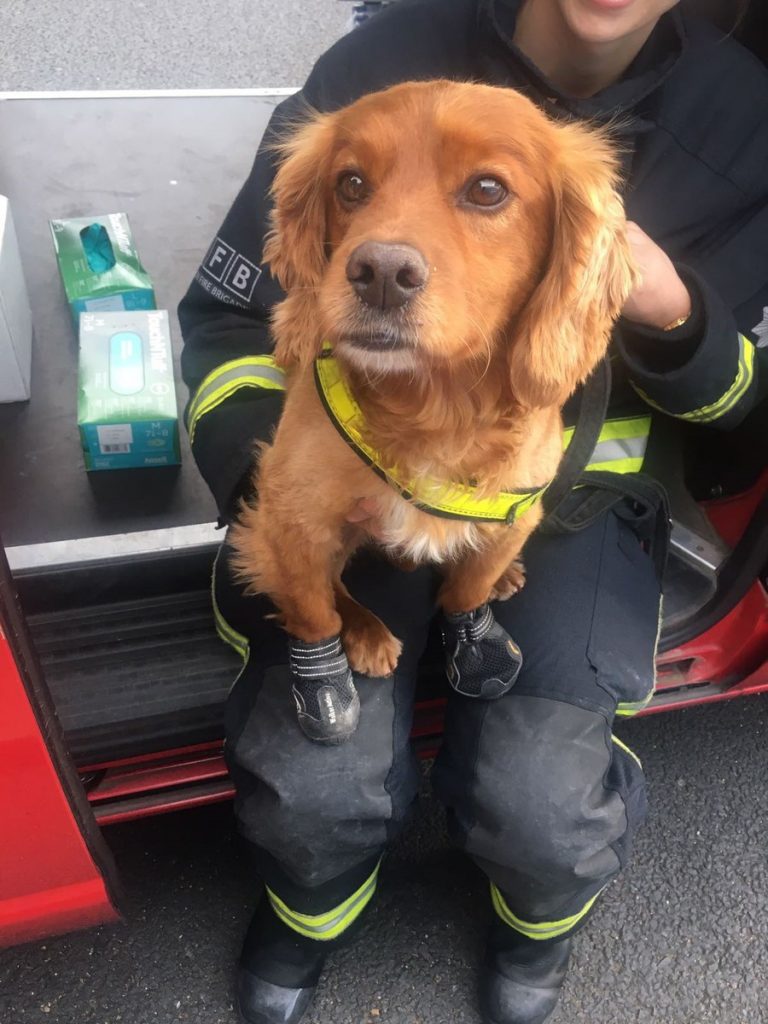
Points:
(136, 676)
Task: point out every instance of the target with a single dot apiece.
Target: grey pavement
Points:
(163, 44)
(681, 938)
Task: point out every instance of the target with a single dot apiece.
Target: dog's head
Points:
(446, 225)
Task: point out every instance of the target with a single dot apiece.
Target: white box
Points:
(15, 315)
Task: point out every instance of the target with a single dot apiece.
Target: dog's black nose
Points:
(386, 275)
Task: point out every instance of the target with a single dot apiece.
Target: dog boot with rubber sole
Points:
(482, 658)
(326, 699)
(522, 985)
(278, 971)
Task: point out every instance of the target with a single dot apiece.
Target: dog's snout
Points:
(386, 275)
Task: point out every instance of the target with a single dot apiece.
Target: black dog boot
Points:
(482, 658)
(278, 971)
(521, 984)
(325, 695)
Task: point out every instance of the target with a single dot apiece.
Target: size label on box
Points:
(112, 304)
(115, 438)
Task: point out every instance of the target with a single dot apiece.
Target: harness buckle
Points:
(511, 517)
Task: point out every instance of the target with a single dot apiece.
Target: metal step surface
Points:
(136, 676)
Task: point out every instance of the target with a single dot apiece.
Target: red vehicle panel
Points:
(54, 864)
(49, 879)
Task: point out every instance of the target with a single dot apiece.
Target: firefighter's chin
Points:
(378, 353)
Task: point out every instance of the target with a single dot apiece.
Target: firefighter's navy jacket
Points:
(691, 115)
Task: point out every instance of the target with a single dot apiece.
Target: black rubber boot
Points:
(482, 658)
(521, 984)
(278, 971)
(326, 699)
(260, 1002)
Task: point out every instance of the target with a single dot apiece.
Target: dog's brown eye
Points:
(486, 192)
(352, 188)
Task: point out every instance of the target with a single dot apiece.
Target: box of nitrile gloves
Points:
(126, 406)
(99, 265)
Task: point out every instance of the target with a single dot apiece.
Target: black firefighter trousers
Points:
(539, 791)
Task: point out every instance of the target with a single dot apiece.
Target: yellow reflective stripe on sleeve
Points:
(226, 632)
(745, 374)
(331, 924)
(225, 380)
(626, 749)
(617, 465)
(616, 430)
(540, 929)
(620, 447)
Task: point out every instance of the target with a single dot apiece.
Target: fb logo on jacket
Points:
(231, 270)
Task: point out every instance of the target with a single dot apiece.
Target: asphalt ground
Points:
(164, 44)
(681, 938)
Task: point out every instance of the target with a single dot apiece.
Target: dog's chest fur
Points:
(410, 533)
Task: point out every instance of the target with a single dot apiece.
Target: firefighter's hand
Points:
(660, 297)
(365, 514)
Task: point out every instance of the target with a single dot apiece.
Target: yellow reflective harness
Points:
(618, 445)
(448, 499)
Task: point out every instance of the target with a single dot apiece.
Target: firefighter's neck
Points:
(575, 64)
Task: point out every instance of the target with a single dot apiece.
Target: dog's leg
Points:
(511, 582)
(296, 570)
(482, 658)
(370, 646)
(471, 581)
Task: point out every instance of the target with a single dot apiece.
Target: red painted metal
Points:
(730, 516)
(428, 718)
(732, 649)
(141, 759)
(151, 804)
(50, 882)
(729, 660)
(118, 783)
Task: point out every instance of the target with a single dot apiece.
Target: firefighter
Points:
(539, 791)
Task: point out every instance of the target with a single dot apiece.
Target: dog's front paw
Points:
(509, 583)
(370, 647)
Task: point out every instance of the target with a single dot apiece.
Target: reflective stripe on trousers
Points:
(226, 632)
(541, 930)
(331, 924)
(627, 709)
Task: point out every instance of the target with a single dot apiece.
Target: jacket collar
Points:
(506, 64)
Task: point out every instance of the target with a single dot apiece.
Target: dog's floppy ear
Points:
(295, 246)
(564, 330)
